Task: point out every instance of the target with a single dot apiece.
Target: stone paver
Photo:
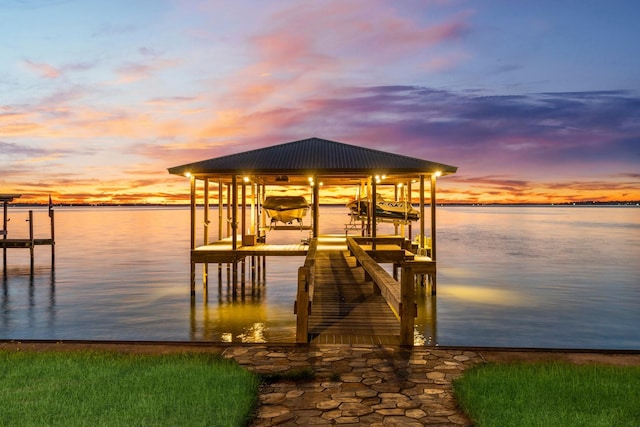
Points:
(358, 385)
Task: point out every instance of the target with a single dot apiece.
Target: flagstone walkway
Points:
(352, 385)
(375, 386)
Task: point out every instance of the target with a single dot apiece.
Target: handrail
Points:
(388, 286)
(399, 296)
(304, 298)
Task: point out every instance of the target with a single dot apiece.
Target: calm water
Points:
(558, 277)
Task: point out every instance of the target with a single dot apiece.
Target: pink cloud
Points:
(134, 71)
(445, 62)
(305, 50)
(42, 69)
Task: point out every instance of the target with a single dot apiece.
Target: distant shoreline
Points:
(178, 205)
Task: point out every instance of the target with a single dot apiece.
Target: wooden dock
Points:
(345, 308)
(222, 252)
(344, 294)
(31, 242)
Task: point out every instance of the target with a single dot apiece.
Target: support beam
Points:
(53, 238)
(4, 236)
(374, 215)
(31, 246)
(205, 268)
(192, 185)
(433, 216)
(234, 213)
(422, 233)
(410, 192)
(407, 305)
(220, 208)
(192, 182)
(243, 211)
(316, 205)
(229, 191)
(206, 211)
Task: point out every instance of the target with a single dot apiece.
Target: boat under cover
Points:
(286, 208)
(385, 210)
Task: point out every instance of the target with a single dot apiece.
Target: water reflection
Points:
(25, 294)
(236, 310)
(487, 295)
(426, 331)
(517, 277)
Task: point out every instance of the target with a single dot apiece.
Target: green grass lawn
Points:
(112, 389)
(550, 394)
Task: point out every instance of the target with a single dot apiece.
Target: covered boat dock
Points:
(239, 184)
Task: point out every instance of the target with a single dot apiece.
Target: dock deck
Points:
(345, 308)
(344, 294)
(24, 243)
(221, 250)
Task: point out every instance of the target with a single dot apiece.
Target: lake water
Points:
(554, 277)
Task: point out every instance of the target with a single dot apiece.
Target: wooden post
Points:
(408, 307)
(31, 243)
(421, 235)
(316, 205)
(433, 218)
(396, 198)
(243, 212)
(220, 207)
(229, 191)
(53, 239)
(4, 236)
(205, 267)
(409, 198)
(192, 185)
(206, 211)
(192, 182)
(374, 215)
(234, 213)
(301, 307)
(253, 221)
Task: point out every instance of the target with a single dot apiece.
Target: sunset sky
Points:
(534, 101)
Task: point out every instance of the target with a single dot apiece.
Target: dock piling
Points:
(29, 243)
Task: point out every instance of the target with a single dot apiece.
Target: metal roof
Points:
(9, 197)
(312, 156)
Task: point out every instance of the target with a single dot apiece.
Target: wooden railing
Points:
(399, 295)
(304, 298)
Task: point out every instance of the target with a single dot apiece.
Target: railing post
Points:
(301, 308)
(407, 307)
(31, 242)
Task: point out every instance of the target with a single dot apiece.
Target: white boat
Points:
(385, 210)
(286, 209)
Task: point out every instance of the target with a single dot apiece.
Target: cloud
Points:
(44, 70)
(445, 62)
(18, 150)
(141, 70)
(530, 134)
(300, 52)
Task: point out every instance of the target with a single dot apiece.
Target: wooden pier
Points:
(345, 296)
(345, 308)
(31, 242)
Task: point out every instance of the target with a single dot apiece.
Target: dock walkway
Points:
(345, 308)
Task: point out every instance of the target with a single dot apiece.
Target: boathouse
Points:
(318, 165)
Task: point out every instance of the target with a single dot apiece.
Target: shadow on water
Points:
(31, 292)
